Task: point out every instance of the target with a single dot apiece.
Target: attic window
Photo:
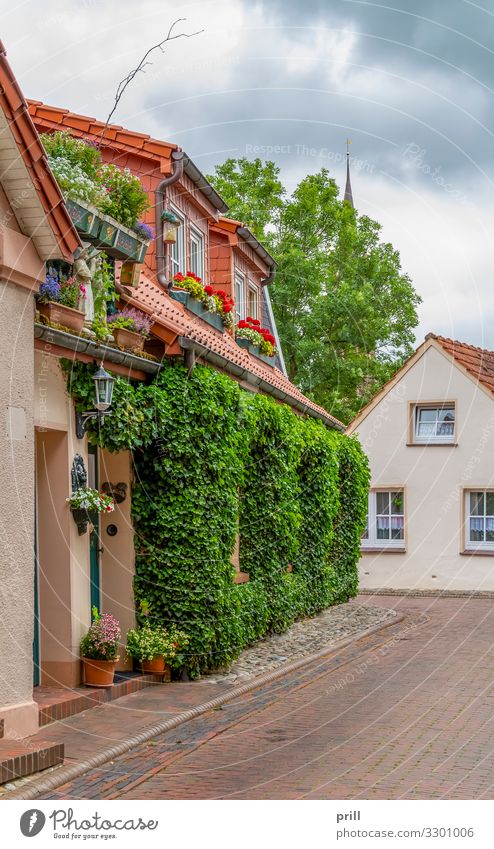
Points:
(434, 423)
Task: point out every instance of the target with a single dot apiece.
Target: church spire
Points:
(348, 188)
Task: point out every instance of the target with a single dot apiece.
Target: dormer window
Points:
(253, 304)
(240, 311)
(177, 253)
(196, 252)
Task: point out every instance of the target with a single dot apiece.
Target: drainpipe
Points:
(269, 279)
(160, 199)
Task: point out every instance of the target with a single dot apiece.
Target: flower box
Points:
(196, 306)
(85, 219)
(104, 232)
(179, 295)
(127, 338)
(60, 314)
(254, 350)
(243, 343)
(214, 320)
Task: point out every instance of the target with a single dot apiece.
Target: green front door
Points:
(94, 540)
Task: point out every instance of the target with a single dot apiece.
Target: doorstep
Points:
(19, 758)
(56, 703)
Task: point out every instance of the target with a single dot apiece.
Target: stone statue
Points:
(86, 262)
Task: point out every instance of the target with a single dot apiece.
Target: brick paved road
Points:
(405, 714)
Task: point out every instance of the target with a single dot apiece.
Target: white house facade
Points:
(429, 436)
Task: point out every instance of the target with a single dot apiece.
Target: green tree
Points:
(253, 192)
(344, 308)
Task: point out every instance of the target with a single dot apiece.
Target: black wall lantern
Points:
(103, 389)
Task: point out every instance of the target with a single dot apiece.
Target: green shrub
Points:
(211, 460)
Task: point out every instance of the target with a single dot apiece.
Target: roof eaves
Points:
(203, 184)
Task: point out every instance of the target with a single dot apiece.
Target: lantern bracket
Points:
(81, 420)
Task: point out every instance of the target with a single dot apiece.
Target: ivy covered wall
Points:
(211, 460)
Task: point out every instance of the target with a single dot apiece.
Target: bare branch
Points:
(171, 36)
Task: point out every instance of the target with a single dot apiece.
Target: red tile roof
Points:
(478, 362)
(175, 317)
(114, 136)
(15, 108)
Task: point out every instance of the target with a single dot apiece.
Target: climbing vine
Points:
(211, 461)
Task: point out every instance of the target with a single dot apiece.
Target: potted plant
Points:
(99, 650)
(130, 328)
(258, 340)
(86, 503)
(212, 305)
(59, 298)
(156, 648)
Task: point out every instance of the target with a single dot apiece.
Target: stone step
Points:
(55, 703)
(23, 757)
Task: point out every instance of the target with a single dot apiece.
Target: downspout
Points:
(160, 199)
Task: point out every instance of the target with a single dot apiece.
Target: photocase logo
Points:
(32, 822)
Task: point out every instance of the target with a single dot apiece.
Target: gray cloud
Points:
(290, 80)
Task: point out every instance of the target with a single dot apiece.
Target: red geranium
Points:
(209, 290)
(227, 307)
(242, 324)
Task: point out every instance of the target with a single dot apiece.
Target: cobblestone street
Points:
(403, 713)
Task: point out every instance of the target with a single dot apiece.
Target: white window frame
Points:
(240, 305)
(478, 545)
(372, 541)
(178, 262)
(195, 236)
(436, 438)
(252, 290)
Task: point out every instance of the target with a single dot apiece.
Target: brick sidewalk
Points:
(411, 717)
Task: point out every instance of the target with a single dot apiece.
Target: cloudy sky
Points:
(409, 81)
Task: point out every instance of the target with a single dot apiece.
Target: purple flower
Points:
(50, 289)
(144, 230)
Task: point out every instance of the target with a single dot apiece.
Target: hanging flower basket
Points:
(85, 505)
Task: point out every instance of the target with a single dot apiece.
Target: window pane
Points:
(489, 508)
(476, 503)
(382, 502)
(427, 415)
(426, 429)
(397, 503)
(397, 527)
(382, 525)
(446, 426)
(447, 414)
(476, 530)
(489, 529)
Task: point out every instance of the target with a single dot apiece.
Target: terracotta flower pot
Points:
(157, 666)
(98, 673)
(127, 338)
(59, 314)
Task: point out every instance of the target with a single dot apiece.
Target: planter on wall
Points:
(104, 232)
(60, 314)
(179, 295)
(254, 350)
(214, 320)
(127, 338)
(198, 308)
(98, 673)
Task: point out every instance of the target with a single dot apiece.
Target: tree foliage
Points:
(344, 308)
